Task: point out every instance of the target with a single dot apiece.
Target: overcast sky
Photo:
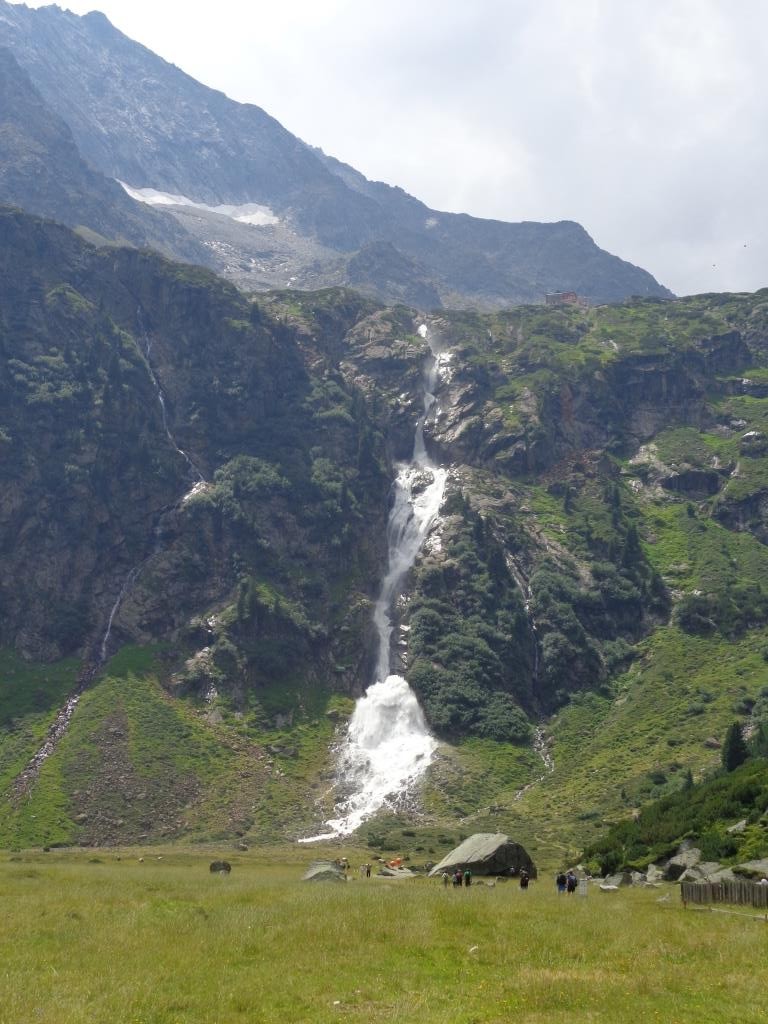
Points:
(644, 120)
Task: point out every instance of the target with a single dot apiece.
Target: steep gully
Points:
(26, 779)
(540, 739)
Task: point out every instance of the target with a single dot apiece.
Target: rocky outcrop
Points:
(616, 881)
(693, 483)
(487, 854)
(755, 869)
(82, 420)
(680, 863)
(324, 871)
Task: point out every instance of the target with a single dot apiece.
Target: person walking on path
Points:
(467, 878)
(524, 879)
(571, 881)
(561, 881)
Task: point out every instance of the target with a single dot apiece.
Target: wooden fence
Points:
(740, 892)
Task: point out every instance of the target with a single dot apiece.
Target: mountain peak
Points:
(136, 118)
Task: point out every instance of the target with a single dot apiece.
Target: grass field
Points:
(88, 937)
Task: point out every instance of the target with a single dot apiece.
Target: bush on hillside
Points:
(731, 611)
(470, 640)
(702, 813)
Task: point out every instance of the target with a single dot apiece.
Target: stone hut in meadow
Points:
(487, 853)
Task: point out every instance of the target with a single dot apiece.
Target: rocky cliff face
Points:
(278, 212)
(42, 171)
(154, 422)
(146, 402)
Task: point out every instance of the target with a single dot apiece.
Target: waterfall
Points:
(388, 746)
(525, 589)
(199, 484)
(26, 778)
(130, 579)
(194, 471)
(541, 746)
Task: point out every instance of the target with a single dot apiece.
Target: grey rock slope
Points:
(42, 171)
(136, 118)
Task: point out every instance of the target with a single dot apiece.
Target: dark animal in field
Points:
(222, 867)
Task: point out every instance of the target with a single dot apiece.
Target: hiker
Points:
(367, 870)
(561, 882)
(524, 879)
(571, 881)
(457, 878)
(467, 878)
(446, 879)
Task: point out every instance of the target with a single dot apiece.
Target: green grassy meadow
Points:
(97, 937)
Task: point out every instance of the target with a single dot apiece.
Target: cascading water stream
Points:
(130, 579)
(388, 746)
(541, 741)
(541, 746)
(199, 478)
(199, 483)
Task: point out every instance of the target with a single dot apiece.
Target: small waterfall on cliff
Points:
(199, 478)
(198, 485)
(388, 746)
(128, 582)
(541, 740)
(26, 778)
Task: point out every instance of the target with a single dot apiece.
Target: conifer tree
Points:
(734, 750)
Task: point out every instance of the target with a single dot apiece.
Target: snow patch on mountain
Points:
(247, 213)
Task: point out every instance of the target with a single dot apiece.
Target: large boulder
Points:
(723, 875)
(756, 869)
(654, 873)
(738, 828)
(679, 864)
(487, 853)
(387, 871)
(614, 881)
(324, 871)
(702, 872)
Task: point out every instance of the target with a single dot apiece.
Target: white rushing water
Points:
(130, 579)
(194, 471)
(541, 745)
(388, 746)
